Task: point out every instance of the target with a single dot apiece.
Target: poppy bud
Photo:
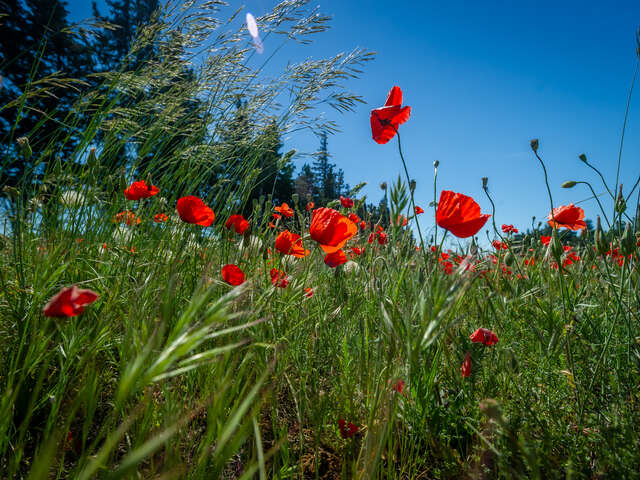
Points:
(599, 237)
(436, 164)
(583, 157)
(383, 186)
(473, 249)
(485, 182)
(627, 242)
(25, 148)
(534, 145)
(621, 205)
(555, 246)
(569, 184)
(295, 197)
(412, 185)
(509, 258)
(92, 159)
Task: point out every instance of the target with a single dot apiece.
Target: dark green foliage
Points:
(39, 47)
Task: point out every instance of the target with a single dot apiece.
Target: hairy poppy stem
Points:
(597, 200)
(624, 126)
(413, 203)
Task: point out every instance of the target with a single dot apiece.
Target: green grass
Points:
(174, 374)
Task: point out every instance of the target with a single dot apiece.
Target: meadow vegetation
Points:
(238, 337)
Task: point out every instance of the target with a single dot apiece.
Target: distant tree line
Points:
(37, 41)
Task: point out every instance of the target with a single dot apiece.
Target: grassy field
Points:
(371, 369)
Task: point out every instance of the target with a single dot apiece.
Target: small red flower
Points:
(363, 225)
(69, 302)
(346, 202)
(127, 217)
(382, 238)
(138, 190)
(238, 223)
(353, 217)
(284, 210)
(459, 214)
(279, 278)
(160, 218)
(310, 206)
(232, 274)
(418, 210)
(398, 386)
(290, 243)
(484, 336)
(401, 221)
(356, 251)
(509, 229)
(331, 229)
(386, 120)
(545, 240)
(193, 210)
(335, 258)
(500, 245)
(347, 429)
(567, 216)
(465, 369)
(308, 292)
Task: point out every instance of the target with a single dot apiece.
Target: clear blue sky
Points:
(482, 79)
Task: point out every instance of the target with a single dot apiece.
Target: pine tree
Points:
(328, 179)
(127, 16)
(304, 183)
(46, 47)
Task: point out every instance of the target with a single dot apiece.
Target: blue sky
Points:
(482, 79)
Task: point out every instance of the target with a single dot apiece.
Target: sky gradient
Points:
(483, 79)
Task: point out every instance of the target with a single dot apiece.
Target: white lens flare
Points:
(252, 26)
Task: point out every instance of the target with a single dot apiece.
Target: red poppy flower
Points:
(290, 244)
(310, 206)
(69, 302)
(347, 429)
(193, 210)
(353, 217)
(308, 292)
(138, 190)
(356, 251)
(386, 120)
(382, 238)
(276, 216)
(232, 274)
(285, 210)
(465, 369)
(279, 278)
(335, 258)
(398, 386)
(346, 202)
(331, 229)
(484, 336)
(160, 218)
(509, 229)
(459, 214)
(545, 240)
(363, 225)
(418, 210)
(567, 216)
(500, 245)
(127, 217)
(238, 223)
(401, 220)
